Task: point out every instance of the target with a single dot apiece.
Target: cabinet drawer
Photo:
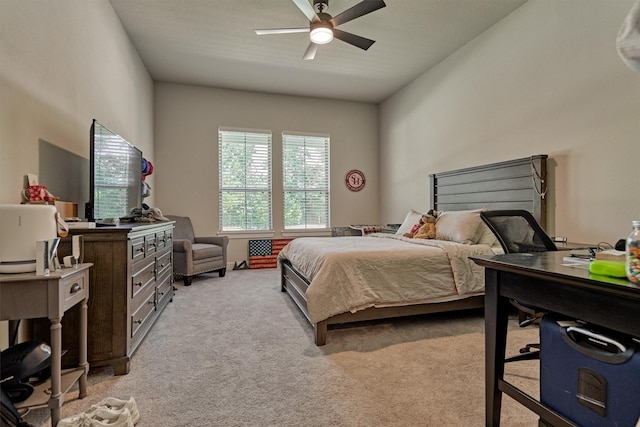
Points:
(143, 278)
(163, 264)
(144, 311)
(164, 239)
(74, 289)
(150, 245)
(136, 246)
(164, 290)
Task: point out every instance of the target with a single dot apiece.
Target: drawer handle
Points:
(160, 293)
(139, 322)
(150, 302)
(75, 288)
(138, 284)
(162, 265)
(140, 250)
(152, 245)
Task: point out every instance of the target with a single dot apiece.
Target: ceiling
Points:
(212, 43)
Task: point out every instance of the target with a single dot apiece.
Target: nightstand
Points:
(28, 296)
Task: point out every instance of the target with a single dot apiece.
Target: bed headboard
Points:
(514, 184)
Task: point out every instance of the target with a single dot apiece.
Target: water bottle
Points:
(633, 253)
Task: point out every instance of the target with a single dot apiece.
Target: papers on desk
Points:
(580, 258)
(574, 261)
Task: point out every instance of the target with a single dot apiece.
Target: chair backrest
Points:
(518, 231)
(183, 227)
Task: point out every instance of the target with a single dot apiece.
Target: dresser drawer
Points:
(150, 245)
(164, 289)
(163, 264)
(136, 247)
(164, 239)
(143, 278)
(144, 311)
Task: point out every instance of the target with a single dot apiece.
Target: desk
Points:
(27, 296)
(541, 280)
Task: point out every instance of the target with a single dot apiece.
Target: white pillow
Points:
(412, 218)
(459, 226)
(486, 236)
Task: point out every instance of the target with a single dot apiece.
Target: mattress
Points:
(348, 274)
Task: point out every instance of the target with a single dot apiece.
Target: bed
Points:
(335, 280)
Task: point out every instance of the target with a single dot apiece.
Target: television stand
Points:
(131, 283)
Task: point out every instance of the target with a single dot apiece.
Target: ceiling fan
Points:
(322, 26)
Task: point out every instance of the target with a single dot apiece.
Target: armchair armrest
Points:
(214, 240)
(182, 245)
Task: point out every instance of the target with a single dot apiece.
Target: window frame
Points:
(244, 137)
(325, 190)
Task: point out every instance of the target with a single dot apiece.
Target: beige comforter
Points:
(381, 270)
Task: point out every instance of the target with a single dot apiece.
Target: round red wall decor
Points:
(355, 180)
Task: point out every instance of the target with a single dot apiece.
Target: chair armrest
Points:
(214, 240)
(182, 245)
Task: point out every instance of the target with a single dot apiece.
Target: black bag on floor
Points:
(9, 415)
(22, 366)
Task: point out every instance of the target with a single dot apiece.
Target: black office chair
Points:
(519, 232)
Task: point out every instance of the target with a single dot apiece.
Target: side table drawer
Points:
(74, 288)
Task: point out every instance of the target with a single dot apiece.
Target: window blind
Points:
(245, 180)
(305, 181)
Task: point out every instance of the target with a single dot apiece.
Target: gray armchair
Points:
(195, 255)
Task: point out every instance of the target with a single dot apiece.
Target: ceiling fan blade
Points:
(307, 9)
(360, 9)
(358, 41)
(282, 31)
(311, 51)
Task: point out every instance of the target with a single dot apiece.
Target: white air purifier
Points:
(21, 226)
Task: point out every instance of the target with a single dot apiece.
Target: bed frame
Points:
(515, 184)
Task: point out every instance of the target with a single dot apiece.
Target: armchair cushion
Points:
(203, 250)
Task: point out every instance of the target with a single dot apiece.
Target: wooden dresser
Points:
(131, 283)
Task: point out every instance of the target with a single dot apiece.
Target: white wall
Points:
(62, 64)
(547, 79)
(186, 128)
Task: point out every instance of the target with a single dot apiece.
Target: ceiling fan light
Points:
(321, 35)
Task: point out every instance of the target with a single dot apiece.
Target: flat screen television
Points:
(115, 169)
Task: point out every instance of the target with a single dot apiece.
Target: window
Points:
(245, 180)
(305, 163)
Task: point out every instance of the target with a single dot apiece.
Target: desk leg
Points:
(496, 315)
(56, 400)
(82, 363)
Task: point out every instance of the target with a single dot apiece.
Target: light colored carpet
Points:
(235, 351)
